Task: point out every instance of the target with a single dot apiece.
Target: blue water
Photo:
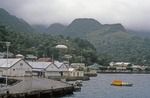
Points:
(99, 87)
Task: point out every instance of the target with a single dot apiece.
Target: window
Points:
(77, 73)
(21, 64)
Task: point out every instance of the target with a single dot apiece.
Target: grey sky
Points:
(131, 13)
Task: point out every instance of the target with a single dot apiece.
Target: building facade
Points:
(14, 67)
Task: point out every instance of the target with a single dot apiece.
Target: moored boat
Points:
(120, 83)
(78, 83)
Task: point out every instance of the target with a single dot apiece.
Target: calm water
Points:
(99, 87)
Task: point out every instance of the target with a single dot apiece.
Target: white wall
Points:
(19, 69)
(76, 73)
(52, 73)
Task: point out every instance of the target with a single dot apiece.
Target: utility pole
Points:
(7, 46)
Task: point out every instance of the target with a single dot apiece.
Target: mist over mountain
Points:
(14, 23)
(82, 26)
(144, 34)
(39, 28)
(110, 40)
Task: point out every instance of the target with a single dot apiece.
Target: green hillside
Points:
(14, 23)
(112, 41)
(121, 46)
(56, 29)
(41, 44)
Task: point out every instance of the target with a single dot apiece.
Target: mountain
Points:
(113, 27)
(14, 23)
(114, 44)
(79, 27)
(141, 33)
(56, 29)
(39, 28)
(118, 44)
(110, 40)
(43, 45)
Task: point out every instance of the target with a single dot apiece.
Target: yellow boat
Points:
(120, 83)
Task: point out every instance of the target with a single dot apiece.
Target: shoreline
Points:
(124, 72)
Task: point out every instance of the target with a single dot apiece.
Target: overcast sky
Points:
(131, 13)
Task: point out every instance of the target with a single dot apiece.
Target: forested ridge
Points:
(43, 45)
(87, 39)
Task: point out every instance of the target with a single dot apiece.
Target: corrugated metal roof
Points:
(38, 70)
(11, 62)
(58, 64)
(39, 65)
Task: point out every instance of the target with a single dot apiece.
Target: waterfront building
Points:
(78, 65)
(57, 69)
(49, 69)
(38, 68)
(45, 59)
(14, 67)
(119, 65)
(95, 66)
(138, 67)
(75, 73)
(31, 57)
(19, 56)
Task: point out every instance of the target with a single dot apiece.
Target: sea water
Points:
(99, 87)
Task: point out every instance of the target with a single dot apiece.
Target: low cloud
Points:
(132, 14)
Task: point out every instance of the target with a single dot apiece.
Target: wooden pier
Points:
(36, 88)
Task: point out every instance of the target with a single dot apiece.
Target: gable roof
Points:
(58, 64)
(39, 65)
(11, 62)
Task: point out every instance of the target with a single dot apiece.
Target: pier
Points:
(33, 87)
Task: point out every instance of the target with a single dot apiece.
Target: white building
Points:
(56, 69)
(38, 68)
(138, 67)
(19, 56)
(119, 65)
(14, 67)
(49, 69)
(75, 73)
(78, 65)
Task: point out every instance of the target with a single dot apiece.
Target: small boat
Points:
(78, 83)
(120, 83)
